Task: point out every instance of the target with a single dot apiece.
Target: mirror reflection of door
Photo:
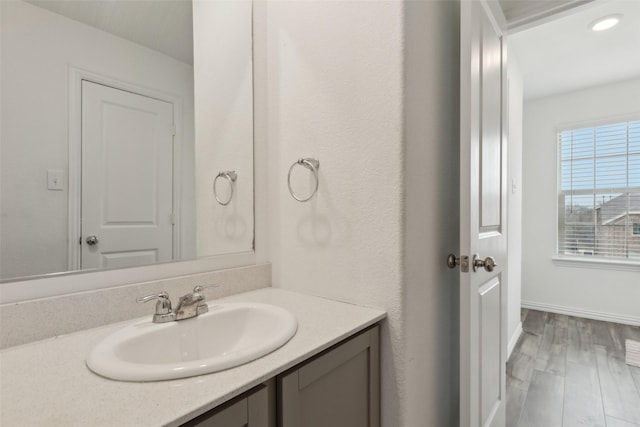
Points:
(127, 178)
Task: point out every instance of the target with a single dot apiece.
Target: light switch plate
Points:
(55, 180)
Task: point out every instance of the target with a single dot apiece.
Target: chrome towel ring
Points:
(230, 176)
(313, 165)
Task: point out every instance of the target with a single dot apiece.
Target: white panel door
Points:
(483, 229)
(127, 178)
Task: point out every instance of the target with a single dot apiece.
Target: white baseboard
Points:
(578, 312)
(514, 340)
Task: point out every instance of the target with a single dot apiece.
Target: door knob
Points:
(454, 261)
(489, 263)
(92, 240)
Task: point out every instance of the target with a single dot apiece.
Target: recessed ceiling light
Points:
(605, 22)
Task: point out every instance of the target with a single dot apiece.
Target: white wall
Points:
(223, 83)
(371, 90)
(334, 92)
(37, 49)
(514, 200)
(596, 292)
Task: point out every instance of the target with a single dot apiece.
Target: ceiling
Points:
(523, 12)
(162, 25)
(560, 56)
(566, 55)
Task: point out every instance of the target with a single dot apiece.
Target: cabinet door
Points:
(250, 410)
(340, 388)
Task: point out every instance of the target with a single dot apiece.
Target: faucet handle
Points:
(163, 306)
(161, 295)
(198, 289)
(163, 303)
(202, 306)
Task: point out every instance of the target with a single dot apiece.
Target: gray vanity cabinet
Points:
(338, 388)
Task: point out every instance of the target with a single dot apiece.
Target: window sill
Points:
(565, 261)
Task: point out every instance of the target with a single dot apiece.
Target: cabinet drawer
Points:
(252, 409)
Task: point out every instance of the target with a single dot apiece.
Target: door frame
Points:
(74, 228)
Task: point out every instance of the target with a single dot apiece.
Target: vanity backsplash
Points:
(26, 321)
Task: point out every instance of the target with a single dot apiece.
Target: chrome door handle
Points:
(92, 240)
(489, 263)
(454, 261)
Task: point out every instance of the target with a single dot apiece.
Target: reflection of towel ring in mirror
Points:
(230, 176)
(312, 165)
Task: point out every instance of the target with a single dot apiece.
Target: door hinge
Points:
(172, 130)
(172, 219)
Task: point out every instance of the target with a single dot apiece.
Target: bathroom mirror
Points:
(108, 160)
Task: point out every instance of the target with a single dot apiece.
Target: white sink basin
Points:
(228, 335)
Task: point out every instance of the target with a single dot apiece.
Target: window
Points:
(599, 191)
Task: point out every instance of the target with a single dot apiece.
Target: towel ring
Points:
(313, 165)
(230, 176)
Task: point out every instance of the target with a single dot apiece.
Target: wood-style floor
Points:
(567, 371)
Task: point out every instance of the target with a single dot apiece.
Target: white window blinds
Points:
(599, 191)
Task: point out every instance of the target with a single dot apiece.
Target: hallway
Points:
(567, 371)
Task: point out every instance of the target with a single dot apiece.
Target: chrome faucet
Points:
(189, 305)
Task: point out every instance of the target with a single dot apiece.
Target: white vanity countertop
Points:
(47, 383)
